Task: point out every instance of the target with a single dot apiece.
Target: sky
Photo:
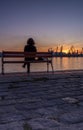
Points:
(50, 23)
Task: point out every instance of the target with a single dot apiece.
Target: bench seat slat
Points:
(15, 56)
(35, 61)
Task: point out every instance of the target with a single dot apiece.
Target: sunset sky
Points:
(51, 23)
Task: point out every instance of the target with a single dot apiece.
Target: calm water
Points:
(65, 63)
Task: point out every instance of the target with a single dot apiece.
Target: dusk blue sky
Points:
(51, 23)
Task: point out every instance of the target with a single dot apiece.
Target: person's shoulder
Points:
(34, 46)
(26, 46)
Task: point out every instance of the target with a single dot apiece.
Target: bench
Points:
(18, 57)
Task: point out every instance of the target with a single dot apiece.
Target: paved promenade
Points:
(41, 101)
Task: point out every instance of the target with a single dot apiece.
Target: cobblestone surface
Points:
(42, 101)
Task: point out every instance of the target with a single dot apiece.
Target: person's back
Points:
(30, 48)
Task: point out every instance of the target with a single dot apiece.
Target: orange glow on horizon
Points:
(19, 46)
(65, 51)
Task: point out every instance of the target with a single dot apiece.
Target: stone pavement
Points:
(42, 101)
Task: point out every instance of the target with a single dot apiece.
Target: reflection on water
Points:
(68, 63)
(64, 63)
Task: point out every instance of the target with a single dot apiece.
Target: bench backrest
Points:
(25, 54)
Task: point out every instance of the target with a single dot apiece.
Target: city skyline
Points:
(51, 23)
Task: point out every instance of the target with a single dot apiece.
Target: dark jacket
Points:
(30, 48)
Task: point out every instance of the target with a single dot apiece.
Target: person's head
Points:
(30, 41)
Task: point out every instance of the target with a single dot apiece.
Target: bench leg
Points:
(52, 67)
(28, 68)
(2, 69)
(47, 66)
(2, 66)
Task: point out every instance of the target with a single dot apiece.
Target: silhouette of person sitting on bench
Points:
(30, 47)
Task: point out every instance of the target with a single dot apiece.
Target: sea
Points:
(59, 63)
